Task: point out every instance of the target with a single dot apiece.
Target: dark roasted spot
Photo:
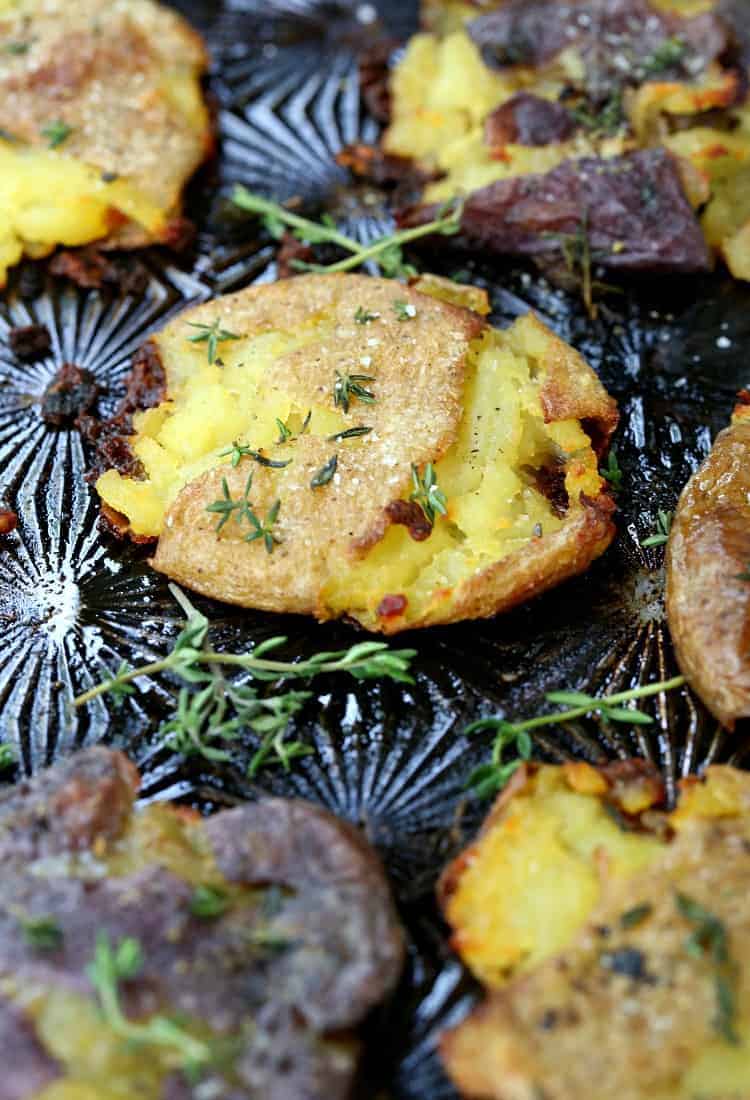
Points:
(410, 515)
(30, 341)
(549, 1019)
(72, 392)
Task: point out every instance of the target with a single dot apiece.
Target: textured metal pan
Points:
(73, 603)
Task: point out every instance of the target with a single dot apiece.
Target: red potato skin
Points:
(708, 555)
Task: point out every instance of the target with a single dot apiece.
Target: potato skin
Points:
(708, 602)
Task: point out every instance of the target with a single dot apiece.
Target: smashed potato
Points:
(497, 94)
(102, 123)
(611, 936)
(708, 575)
(359, 448)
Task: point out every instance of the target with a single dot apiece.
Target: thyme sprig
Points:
(427, 493)
(238, 451)
(661, 533)
(386, 251)
(348, 386)
(226, 506)
(211, 335)
(114, 964)
(488, 778)
(217, 710)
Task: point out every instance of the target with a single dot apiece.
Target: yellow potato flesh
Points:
(48, 199)
(210, 406)
(539, 861)
(493, 508)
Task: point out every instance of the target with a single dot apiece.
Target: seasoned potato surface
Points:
(500, 423)
(612, 936)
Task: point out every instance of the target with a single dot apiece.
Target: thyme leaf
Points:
(612, 472)
(348, 386)
(404, 311)
(42, 933)
(211, 335)
(349, 433)
(209, 902)
(56, 133)
(661, 534)
(635, 916)
(743, 576)
(7, 755)
(427, 493)
(325, 473)
(488, 778)
(386, 251)
(667, 54)
(364, 317)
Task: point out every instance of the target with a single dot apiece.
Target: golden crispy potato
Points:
(708, 575)
(507, 423)
(612, 936)
(102, 122)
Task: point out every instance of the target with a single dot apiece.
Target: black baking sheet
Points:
(394, 759)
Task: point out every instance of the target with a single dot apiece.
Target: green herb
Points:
(325, 473)
(427, 493)
(743, 576)
(386, 250)
(7, 755)
(238, 451)
(6, 135)
(487, 779)
(16, 48)
(490, 777)
(364, 317)
(349, 433)
(42, 933)
(404, 311)
(285, 433)
(218, 710)
(208, 902)
(112, 965)
(348, 386)
(667, 54)
(227, 506)
(211, 335)
(710, 940)
(612, 472)
(635, 916)
(576, 250)
(663, 527)
(56, 133)
(606, 120)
